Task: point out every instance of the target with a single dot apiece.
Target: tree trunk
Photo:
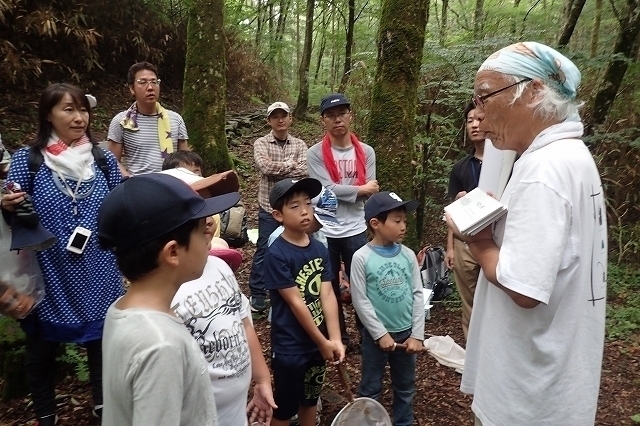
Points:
(623, 52)
(477, 20)
(443, 22)
(595, 31)
(323, 43)
(204, 84)
(391, 126)
(570, 22)
(348, 46)
(303, 71)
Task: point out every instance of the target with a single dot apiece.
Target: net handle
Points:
(344, 380)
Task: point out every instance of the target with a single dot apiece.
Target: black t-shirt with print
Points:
(287, 265)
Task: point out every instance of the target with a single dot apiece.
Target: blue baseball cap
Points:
(145, 207)
(333, 100)
(385, 201)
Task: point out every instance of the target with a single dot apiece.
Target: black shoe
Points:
(258, 304)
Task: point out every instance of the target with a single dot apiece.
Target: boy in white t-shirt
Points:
(217, 315)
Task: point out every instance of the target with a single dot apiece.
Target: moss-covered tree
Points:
(204, 84)
(394, 96)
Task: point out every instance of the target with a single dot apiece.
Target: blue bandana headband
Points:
(535, 60)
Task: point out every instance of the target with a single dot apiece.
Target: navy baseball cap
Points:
(333, 100)
(385, 201)
(146, 207)
(310, 186)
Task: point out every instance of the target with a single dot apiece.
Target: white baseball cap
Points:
(278, 105)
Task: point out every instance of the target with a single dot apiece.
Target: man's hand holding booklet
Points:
(475, 211)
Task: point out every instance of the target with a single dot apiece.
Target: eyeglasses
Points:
(145, 82)
(478, 101)
(334, 117)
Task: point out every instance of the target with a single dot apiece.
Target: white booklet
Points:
(496, 169)
(475, 211)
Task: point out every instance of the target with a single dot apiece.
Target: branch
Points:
(361, 10)
(615, 11)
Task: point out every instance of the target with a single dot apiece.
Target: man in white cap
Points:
(536, 337)
(278, 155)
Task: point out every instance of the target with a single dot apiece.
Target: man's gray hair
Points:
(551, 104)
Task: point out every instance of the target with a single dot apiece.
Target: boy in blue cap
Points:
(386, 290)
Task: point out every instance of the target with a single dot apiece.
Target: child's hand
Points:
(338, 352)
(260, 408)
(413, 345)
(328, 349)
(387, 343)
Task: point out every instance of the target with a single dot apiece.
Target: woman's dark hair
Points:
(49, 99)
(139, 66)
(138, 261)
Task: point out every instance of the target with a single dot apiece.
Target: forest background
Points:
(408, 68)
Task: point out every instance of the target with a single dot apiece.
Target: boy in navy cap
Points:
(386, 290)
(154, 372)
(304, 330)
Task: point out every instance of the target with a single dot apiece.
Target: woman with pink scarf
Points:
(81, 280)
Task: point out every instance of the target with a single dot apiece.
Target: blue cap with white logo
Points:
(386, 201)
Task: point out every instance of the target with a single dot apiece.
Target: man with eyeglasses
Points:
(144, 134)
(464, 177)
(346, 166)
(536, 337)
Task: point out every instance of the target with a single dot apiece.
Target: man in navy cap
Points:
(346, 166)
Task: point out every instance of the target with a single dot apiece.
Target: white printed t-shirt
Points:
(213, 307)
(542, 366)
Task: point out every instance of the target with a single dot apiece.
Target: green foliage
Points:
(11, 335)
(618, 155)
(635, 418)
(12, 340)
(623, 306)
(242, 167)
(76, 357)
(68, 38)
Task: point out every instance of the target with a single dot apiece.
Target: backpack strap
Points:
(34, 162)
(101, 160)
(36, 159)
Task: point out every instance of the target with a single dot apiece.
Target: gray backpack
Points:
(233, 226)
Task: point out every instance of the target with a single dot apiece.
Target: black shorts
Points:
(298, 380)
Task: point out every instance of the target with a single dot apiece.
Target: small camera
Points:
(78, 240)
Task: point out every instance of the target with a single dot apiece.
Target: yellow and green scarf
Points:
(165, 143)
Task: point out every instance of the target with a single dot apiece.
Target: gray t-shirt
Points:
(153, 372)
(350, 211)
(141, 148)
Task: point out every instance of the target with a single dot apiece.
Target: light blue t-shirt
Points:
(386, 290)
